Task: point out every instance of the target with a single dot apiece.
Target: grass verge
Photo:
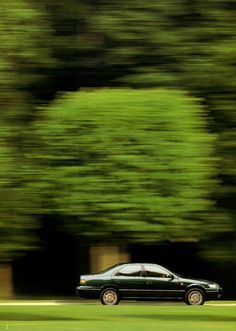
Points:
(95, 317)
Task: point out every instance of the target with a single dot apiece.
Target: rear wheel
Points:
(109, 297)
(194, 296)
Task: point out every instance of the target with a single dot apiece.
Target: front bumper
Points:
(88, 292)
(214, 294)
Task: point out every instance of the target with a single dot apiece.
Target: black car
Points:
(145, 281)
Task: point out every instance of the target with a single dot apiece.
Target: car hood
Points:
(196, 281)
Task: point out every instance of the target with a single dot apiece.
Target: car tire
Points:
(194, 296)
(110, 296)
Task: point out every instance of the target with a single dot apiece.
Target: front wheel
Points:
(109, 297)
(194, 296)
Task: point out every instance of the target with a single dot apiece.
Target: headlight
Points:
(82, 281)
(214, 286)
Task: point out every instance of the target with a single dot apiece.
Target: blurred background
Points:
(117, 140)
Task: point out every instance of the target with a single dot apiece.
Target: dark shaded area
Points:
(52, 269)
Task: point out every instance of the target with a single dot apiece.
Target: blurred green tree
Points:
(23, 53)
(17, 209)
(65, 19)
(127, 164)
(176, 43)
(48, 46)
(16, 204)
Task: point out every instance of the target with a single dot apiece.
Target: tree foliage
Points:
(23, 51)
(50, 46)
(17, 204)
(181, 44)
(135, 164)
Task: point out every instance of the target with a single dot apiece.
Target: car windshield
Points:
(174, 273)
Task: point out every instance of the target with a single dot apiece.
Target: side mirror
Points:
(171, 276)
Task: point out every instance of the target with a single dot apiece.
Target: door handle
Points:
(148, 282)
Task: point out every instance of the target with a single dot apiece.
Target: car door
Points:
(161, 283)
(130, 280)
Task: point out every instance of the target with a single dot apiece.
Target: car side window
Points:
(130, 271)
(155, 271)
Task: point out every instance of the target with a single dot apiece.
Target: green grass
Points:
(124, 317)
